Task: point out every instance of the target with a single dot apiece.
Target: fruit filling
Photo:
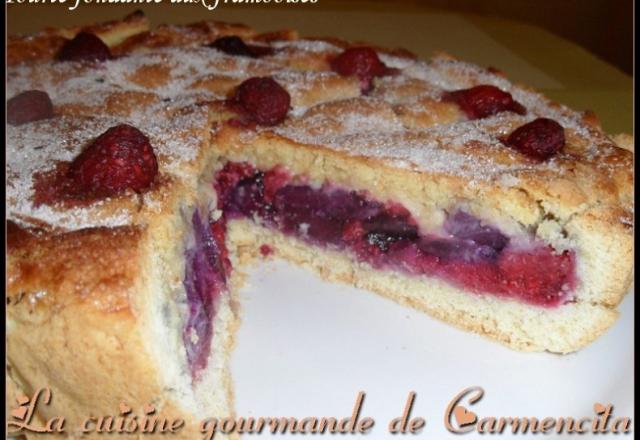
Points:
(207, 266)
(466, 252)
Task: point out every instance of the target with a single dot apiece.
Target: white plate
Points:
(307, 347)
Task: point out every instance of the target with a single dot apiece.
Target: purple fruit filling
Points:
(204, 282)
(466, 253)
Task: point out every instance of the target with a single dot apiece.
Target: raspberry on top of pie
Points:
(437, 183)
(471, 139)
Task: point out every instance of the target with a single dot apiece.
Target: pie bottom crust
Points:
(520, 326)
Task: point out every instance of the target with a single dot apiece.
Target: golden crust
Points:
(89, 266)
(330, 122)
(79, 322)
(329, 111)
(601, 232)
(70, 321)
(46, 44)
(519, 327)
(169, 35)
(77, 277)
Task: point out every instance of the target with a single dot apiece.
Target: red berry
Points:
(29, 106)
(362, 62)
(538, 277)
(84, 47)
(219, 232)
(262, 100)
(539, 139)
(266, 250)
(353, 232)
(228, 177)
(482, 101)
(121, 158)
(273, 180)
(231, 45)
(234, 45)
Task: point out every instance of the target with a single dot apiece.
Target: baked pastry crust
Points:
(45, 44)
(80, 275)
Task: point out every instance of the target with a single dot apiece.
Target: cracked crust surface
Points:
(599, 231)
(401, 142)
(166, 89)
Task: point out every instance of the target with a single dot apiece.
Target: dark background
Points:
(604, 27)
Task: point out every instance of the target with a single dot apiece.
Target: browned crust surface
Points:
(72, 285)
(46, 44)
(94, 267)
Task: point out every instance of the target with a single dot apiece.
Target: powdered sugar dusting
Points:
(441, 149)
(167, 93)
(34, 150)
(312, 46)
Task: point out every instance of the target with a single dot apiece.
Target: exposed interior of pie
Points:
(463, 251)
(162, 162)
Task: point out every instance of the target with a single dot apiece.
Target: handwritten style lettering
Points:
(24, 413)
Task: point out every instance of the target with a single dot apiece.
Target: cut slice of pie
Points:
(146, 171)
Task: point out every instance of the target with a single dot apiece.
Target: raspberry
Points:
(262, 100)
(84, 47)
(353, 232)
(219, 233)
(29, 106)
(539, 139)
(266, 250)
(231, 45)
(274, 179)
(229, 176)
(362, 62)
(121, 158)
(482, 101)
(537, 277)
(234, 45)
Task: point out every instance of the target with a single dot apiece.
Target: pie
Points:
(147, 168)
